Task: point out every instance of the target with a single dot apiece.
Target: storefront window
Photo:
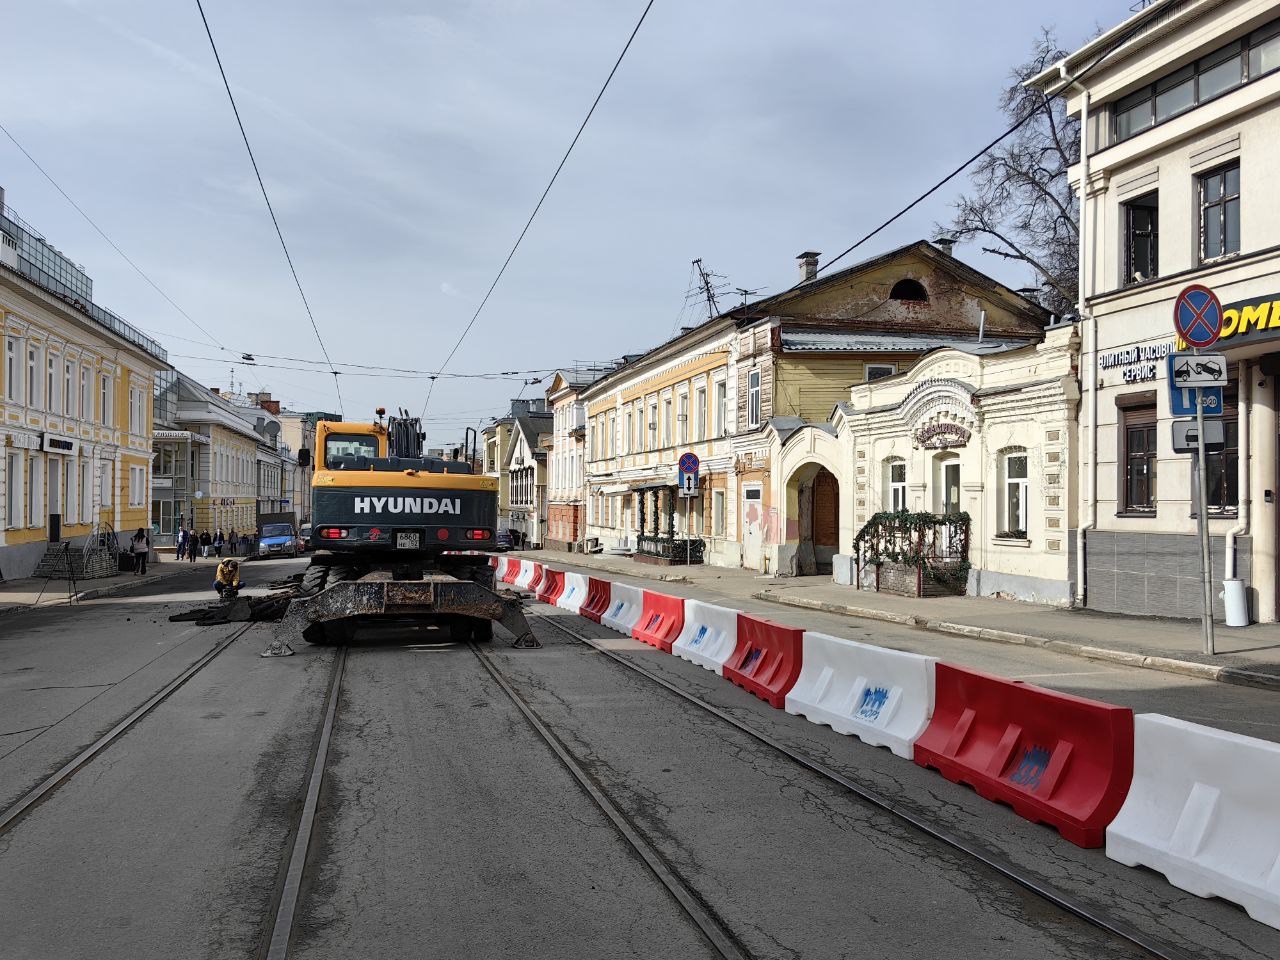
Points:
(1222, 468)
(1140, 459)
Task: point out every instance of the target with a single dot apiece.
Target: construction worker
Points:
(227, 579)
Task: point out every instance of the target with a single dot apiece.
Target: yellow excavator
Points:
(398, 536)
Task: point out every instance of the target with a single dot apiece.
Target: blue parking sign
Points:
(1182, 400)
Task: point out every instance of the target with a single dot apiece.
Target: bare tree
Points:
(1021, 206)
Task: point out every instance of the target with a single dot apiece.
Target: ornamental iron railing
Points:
(674, 549)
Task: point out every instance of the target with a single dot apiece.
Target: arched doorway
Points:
(813, 519)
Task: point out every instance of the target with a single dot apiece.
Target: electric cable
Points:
(538, 206)
(267, 199)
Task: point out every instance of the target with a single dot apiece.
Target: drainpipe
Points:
(1091, 477)
(1241, 528)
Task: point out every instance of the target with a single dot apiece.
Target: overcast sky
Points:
(404, 144)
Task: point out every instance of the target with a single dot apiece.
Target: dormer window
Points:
(909, 290)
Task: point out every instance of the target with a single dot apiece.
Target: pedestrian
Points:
(180, 543)
(219, 541)
(191, 543)
(227, 580)
(245, 542)
(206, 542)
(231, 541)
(140, 546)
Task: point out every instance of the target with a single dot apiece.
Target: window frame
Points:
(890, 368)
(753, 398)
(718, 513)
(1130, 266)
(1221, 203)
(720, 392)
(700, 413)
(896, 490)
(1008, 526)
(1146, 418)
(15, 489)
(14, 383)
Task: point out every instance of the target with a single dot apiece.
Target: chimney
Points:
(945, 244)
(808, 265)
(216, 391)
(266, 403)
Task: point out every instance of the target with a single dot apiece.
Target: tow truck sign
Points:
(1197, 370)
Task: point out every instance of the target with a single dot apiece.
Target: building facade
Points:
(495, 444)
(1176, 188)
(526, 469)
(76, 393)
(566, 464)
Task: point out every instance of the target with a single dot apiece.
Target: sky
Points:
(404, 145)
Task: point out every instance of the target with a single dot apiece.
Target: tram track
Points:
(1058, 898)
(47, 787)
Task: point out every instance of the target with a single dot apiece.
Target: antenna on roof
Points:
(708, 290)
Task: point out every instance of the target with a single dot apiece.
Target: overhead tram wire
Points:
(270, 209)
(563, 160)
(211, 339)
(1043, 105)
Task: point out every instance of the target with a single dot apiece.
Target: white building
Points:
(1177, 177)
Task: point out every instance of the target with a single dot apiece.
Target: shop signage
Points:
(1139, 363)
(941, 436)
(53, 443)
(162, 483)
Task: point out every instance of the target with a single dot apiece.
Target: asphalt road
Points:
(447, 828)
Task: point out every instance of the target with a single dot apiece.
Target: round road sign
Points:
(689, 463)
(1197, 316)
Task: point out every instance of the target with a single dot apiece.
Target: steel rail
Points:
(1001, 866)
(42, 792)
(291, 892)
(715, 931)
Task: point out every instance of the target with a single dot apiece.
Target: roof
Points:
(835, 341)
(784, 427)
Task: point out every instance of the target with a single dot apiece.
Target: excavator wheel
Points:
(313, 579)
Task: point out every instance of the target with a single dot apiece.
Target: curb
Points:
(1186, 668)
(664, 577)
(93, 593)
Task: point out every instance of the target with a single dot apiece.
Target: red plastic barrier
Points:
(512, 572)
(493, 563)
(766, 660)
(661, 620)
(1054, 758)
(552, 585)
(538, 571)
(599, 593)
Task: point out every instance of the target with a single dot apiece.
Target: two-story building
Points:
(495, 445)
(566, 463)
(1176, 180)
(76, 387)
(526, 469)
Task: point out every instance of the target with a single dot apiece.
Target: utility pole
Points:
(713, 308)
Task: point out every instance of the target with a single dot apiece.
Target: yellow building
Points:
(76, 386)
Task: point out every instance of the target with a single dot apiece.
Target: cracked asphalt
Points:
(447, 828)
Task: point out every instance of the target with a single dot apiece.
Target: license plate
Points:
(408, 541)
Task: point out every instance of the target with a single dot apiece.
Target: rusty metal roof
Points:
(834, 341)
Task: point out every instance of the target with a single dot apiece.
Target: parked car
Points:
(304, 535)
(502, 541)
(278, 540)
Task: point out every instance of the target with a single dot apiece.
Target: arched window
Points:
(908, 289)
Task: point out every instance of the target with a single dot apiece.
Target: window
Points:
(946, 479)
(1015, 495)
(1220, 212)
(628, 439)
(1140, 459)
(1264, 53)
(137, 410)
(878, 371)
(911, 290)
(1141, 239)
(1175, 93)
(105, 403)
(1222, 468)
(33, 375)
(69, 393)
(896, 485)
(105, 481)
(86, 492)
(35, 491)
(1220, 71)
(722, 408)
(53, 383)
(71, 482)
(668, 437)
(700, 414)
(753, 399)
(86, 393)
(349, 445)
(717, 513)
(12, 370)
(13, 516)
(682, 417)
(653, 426)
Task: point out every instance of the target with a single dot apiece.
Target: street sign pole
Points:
(688, 543)
(1202, 521)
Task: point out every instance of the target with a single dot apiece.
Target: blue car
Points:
(503, 540)
(278, 540)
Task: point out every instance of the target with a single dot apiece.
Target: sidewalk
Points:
(1248, 655)
(18, 595)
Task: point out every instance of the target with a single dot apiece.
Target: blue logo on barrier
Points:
(1035, 761)
(698, 637)
(618, 609)
(653, 620)
(873, 701)
(753, 655)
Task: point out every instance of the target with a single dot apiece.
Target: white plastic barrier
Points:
(574, 593)
(1202, 810)
(710, 633)
(883, 697)
(624, 610)
(527, 569)
(499, 569)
